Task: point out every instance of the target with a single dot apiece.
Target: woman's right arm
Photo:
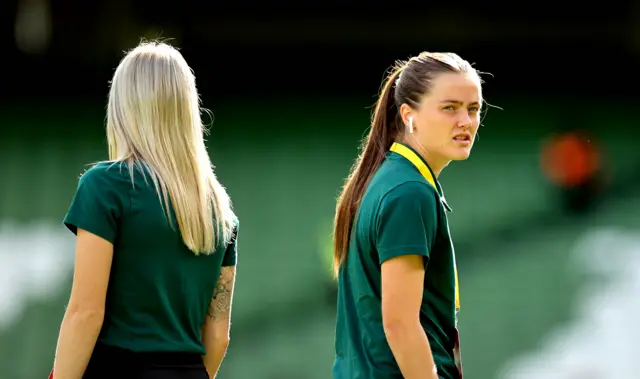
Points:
(215, 332)
(402, 288)
(406, 228)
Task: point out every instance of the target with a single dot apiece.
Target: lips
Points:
(462, 137)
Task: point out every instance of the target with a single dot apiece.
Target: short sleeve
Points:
(407, 221)
(96, 206)
(231, 253)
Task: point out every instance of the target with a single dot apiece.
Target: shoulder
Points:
(395, 171)
(395, 183)
(111, 174)
(412, 188)
(414, 193)
(104, 169)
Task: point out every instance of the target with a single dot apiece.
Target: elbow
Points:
(85, 316)
(216, 348)
(217, 341)
(222, 342)
(215, 336)
(397, 328)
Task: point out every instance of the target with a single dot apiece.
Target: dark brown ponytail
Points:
(383, 132)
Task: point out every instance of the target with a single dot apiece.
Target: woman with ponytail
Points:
(398, 296)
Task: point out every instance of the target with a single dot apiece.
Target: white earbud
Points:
(410, 124)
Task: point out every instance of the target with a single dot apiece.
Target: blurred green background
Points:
(283, 139)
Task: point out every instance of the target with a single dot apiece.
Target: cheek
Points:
(438, 135)
(436, 127)
(475, 122)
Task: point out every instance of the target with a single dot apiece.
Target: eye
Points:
(474, 109)
(449, 108)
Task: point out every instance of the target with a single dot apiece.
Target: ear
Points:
(405, 113)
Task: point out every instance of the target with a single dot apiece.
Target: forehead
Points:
(456, 86)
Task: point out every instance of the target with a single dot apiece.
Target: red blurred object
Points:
(51, 374)
(573, 163)
(570, 160)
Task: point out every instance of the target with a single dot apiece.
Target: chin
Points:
(460, 155)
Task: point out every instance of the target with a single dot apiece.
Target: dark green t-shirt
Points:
(159, 291)
(400, 214)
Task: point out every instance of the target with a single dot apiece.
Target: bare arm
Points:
(215, 332)
(85, 312)
(402, 289)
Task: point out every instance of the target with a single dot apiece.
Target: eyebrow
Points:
(458, 102)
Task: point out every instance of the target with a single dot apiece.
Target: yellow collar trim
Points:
(416, 161)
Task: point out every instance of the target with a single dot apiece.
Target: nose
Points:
(464, 120)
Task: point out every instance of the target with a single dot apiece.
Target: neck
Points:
(435, 164)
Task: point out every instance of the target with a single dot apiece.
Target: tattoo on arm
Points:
(220, 307)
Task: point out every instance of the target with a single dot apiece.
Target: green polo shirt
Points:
(159, 291)
(400, 214)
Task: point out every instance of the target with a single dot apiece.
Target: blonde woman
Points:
(156, 236)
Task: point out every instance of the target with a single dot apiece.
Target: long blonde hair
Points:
(154, 121)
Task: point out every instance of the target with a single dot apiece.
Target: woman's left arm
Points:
(85, 312)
